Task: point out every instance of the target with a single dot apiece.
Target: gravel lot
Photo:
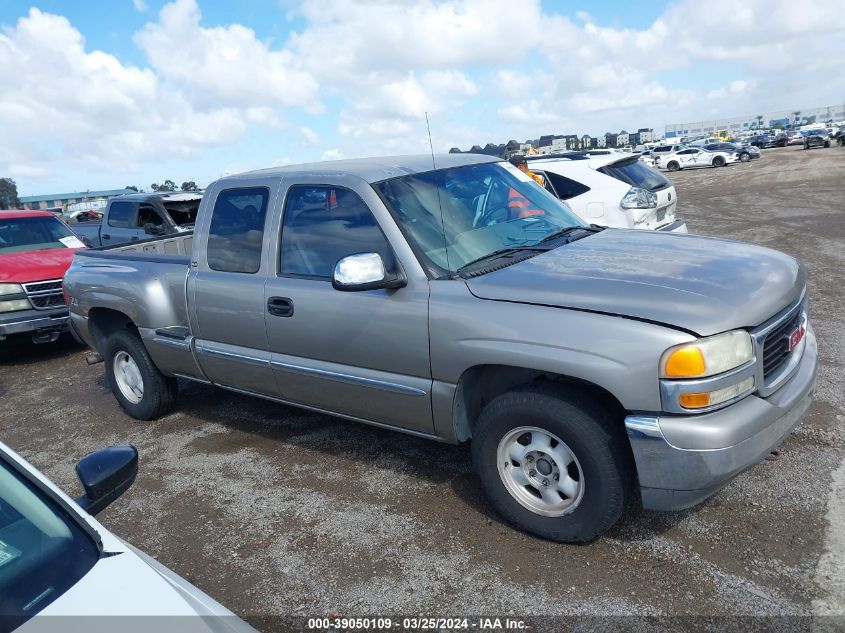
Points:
(277, 511)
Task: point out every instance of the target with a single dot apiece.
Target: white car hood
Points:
(133, 584)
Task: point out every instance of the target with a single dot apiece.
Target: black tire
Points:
(673, 166)
(719, 161)
(827, 143)
(596, 440)
(744, 157)
(159, 391)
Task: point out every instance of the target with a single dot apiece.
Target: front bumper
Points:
(32, 321)
(683, 459)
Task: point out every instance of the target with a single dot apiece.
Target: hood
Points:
(699, 284)
(130, 584)
(35, 265)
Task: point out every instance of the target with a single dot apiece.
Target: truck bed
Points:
(173, 245)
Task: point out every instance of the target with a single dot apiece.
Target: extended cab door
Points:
(362, 354)
(226, 285)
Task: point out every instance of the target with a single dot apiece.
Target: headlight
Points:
(707, 356)
(639, 198)
(15, 304)
(10, 289)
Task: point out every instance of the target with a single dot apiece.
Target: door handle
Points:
(105, 236)
(280, 306)
(134, 237)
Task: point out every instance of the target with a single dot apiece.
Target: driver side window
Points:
(323, 224)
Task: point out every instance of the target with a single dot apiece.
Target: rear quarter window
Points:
(636, 173)
(120, 214)
(236, 234)
(564, 187)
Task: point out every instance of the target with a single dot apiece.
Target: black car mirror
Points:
(105, 475)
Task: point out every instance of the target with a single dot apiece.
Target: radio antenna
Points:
(430, 144)
(439, 201)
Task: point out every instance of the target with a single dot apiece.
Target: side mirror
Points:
(365, 271)
(105, 475)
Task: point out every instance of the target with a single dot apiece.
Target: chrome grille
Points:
(776, 344)
(775, 361)
(44, 295)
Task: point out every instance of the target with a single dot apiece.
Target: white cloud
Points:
(107, 115)
(332, 154)
(309, 138)
(363, 36)
(483, 70)
(224, 65)
(140, 5)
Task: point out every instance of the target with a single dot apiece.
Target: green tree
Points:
(189, 185)
(131, 188)
(167, 185)
(9, 194)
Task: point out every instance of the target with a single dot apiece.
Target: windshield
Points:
(636, 173)
(485, 208)
(35, 233)
(43, 552)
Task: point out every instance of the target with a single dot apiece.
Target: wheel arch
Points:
(480, 384)
(102, 322)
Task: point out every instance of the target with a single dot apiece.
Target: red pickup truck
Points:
(36, 248)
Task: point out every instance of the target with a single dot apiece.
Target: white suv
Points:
(617, 190)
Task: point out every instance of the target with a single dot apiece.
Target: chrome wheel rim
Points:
(540, 471)
(128, 377)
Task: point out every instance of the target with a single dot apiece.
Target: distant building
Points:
(622, 139)
(610, 140)
(599, 141)
(61, 200)
(767, 120)
(586, 142)
(634, 139)
(646, 135)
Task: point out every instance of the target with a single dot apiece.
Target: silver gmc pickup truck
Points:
(591, 369)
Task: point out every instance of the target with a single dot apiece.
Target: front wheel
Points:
(553, 465)
(138, 386)
(673, 166)
(744, 157)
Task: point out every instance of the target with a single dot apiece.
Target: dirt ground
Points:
(277, 511)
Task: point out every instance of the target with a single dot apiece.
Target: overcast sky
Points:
(100, 95)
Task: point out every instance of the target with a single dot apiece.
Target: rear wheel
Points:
(137, 384)
(553, 465)
(718, 161)
(673, 166)
(744, 157)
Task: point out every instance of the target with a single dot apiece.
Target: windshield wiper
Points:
(569, 230)
(502, 252)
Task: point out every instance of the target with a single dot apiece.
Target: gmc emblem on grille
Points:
(795, 337)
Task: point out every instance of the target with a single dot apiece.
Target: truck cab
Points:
(36, 248)
(136, 217)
